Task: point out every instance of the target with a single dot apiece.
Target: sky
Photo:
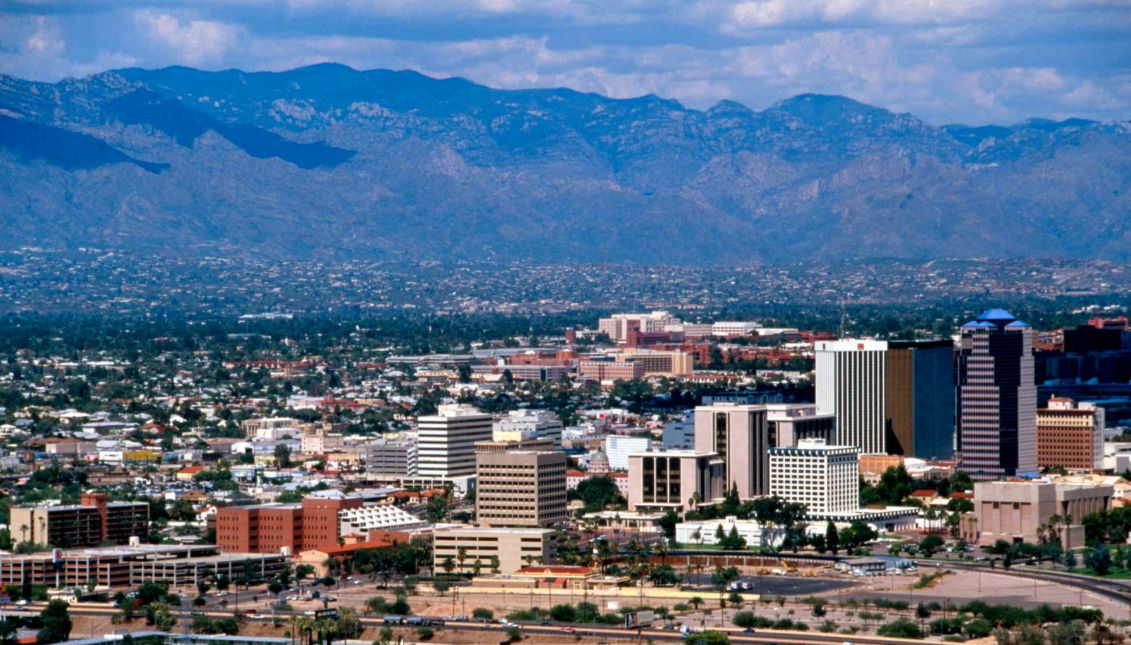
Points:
(946, 61)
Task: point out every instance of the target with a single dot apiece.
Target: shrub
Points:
(563, 613)
(900, 628)
(977, 628)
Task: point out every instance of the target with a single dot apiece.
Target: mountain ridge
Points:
(382, 163)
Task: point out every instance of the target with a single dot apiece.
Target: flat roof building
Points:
(520, 488)
(674, 480)
(446, 441)
(1070, 435)
(740, 436)
(93, 521)
(504, 549)
(1015, 511)
(826, 479)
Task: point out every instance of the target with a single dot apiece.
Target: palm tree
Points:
(696, 602)
(461, 556)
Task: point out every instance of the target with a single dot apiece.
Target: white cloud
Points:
(193, 42)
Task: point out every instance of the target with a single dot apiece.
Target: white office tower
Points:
(851, 385)
(619, 446)
(446, 441)
(826, 479)
(520, 425)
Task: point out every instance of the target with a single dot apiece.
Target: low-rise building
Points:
(496, 550)
(1016, 511)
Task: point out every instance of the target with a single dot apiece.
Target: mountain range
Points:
(330, 162)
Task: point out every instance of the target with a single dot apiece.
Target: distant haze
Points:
(955, 61)
(330, 162)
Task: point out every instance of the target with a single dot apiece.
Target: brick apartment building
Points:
(270, 528)
(93, 521)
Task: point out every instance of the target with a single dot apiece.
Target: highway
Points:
(1112, 589)
(588, 633)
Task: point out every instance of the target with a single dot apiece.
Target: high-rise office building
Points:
(997, 398)
(446, 441)
(851, 385)
(920, 399)
(826, 479)
(792, 422)
(1070, 435)
(619, 446)
(893, 397)
(739, 434)
(517, 487)
(671, 479)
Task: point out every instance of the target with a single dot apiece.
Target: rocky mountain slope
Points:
(326, 161)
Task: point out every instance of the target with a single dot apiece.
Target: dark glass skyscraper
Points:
(920, 399)
(997, 398)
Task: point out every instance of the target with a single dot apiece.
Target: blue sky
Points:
(968, 61)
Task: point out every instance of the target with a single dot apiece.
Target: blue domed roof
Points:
(978, 324)
(1017, 324)
(996, 315)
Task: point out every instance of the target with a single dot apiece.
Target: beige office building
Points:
(512, 548)
(826, 479)
(740, 436)
(673, 480)
(519, 487)
(1014, 510)
(1070, 435)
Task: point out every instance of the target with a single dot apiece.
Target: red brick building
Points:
(269, 528)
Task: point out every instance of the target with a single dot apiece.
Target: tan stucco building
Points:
(1013, 510)
(514, 548)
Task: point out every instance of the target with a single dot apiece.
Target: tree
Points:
(745, 619)
(1066, 633)
(283, 455)
(733, 540)
(385, 636)
(663, 575)
(597, 493)
(1098, 559)
(832, 538)
(481, 613)
(901, 628)
(668, 522)
(1070, 559)
(163, 618)
(438, 508)
(930, 545)
(922, 612)
(977, 628)
(563, 613)
(348, 624)
(8, 631)
(56, 621)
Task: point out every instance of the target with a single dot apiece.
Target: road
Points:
(589, 633)
(1112, 589)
